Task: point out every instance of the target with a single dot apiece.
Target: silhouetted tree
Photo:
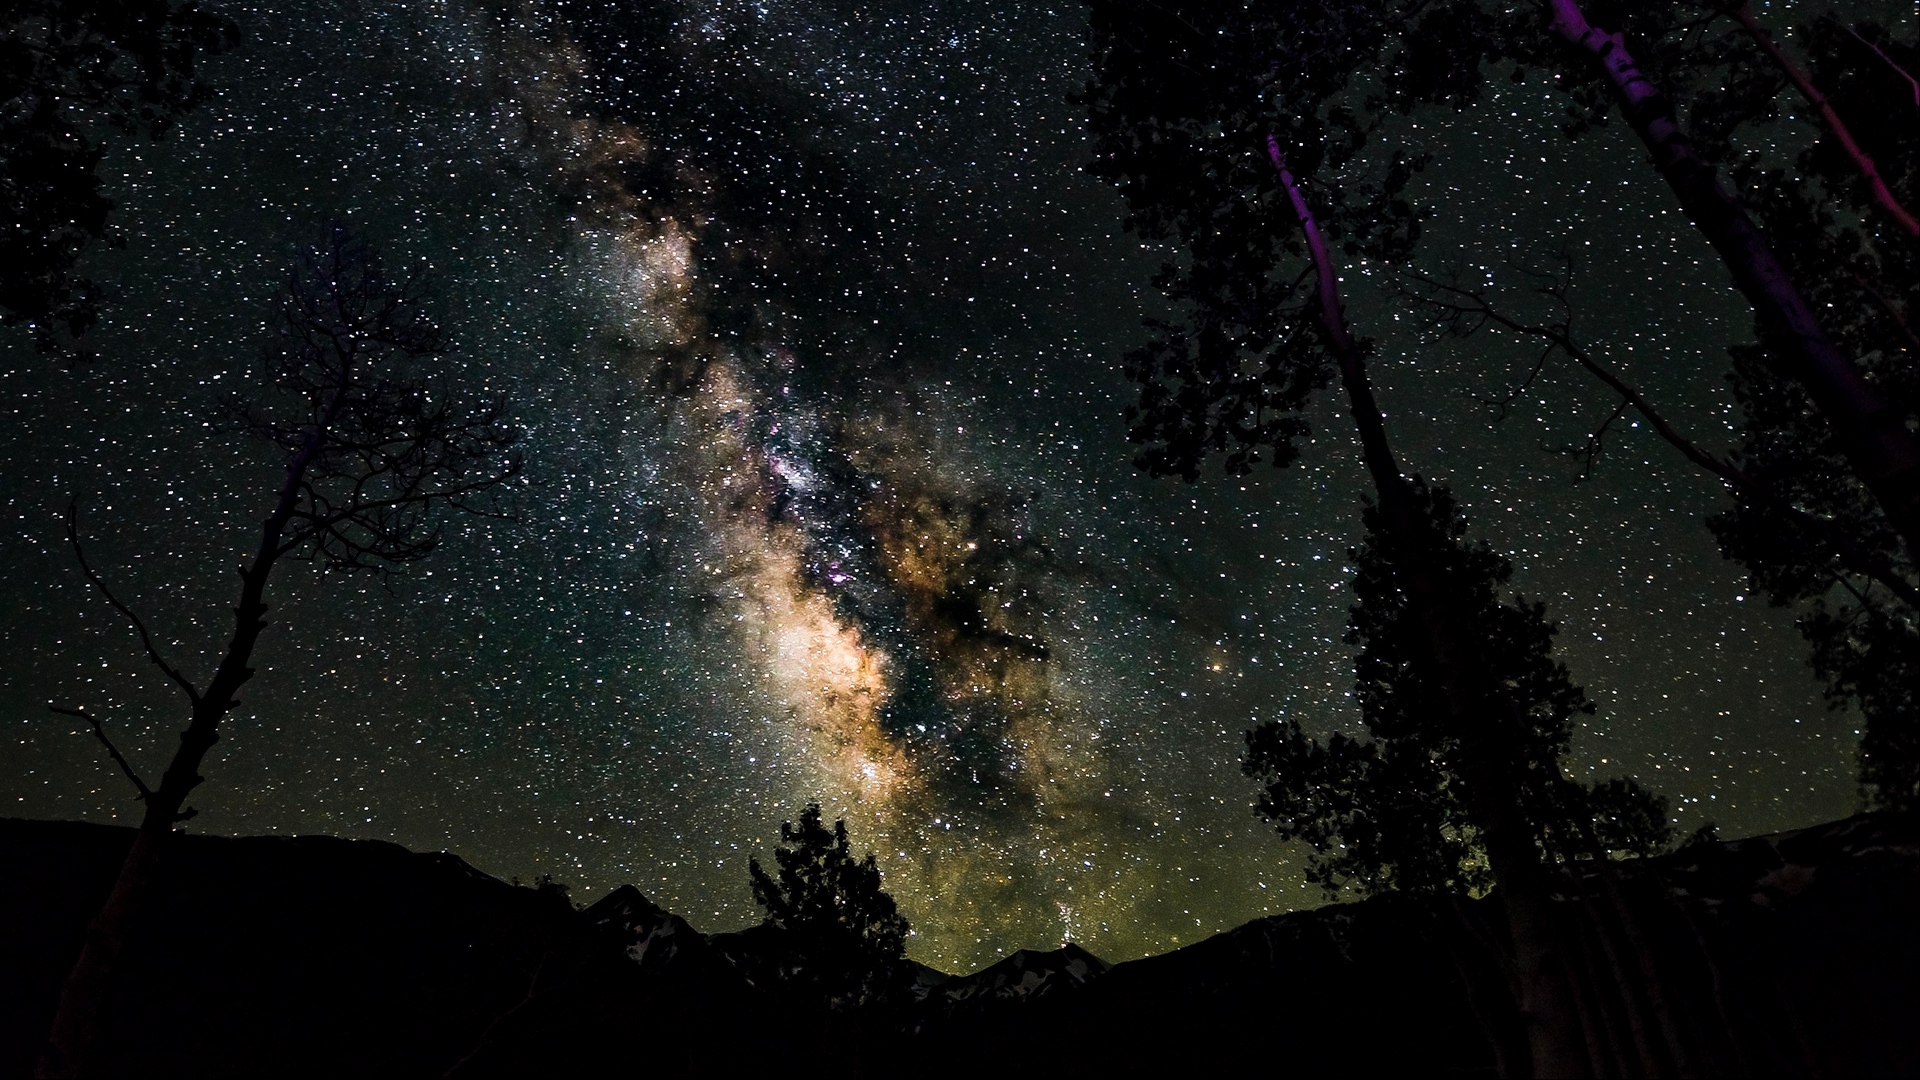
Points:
(1828, 478)
(1826, 251)
(1807, 523)
(843, 926)
(1866, 171)
(1863, 278)
(68, 70)
(1202, 114)
(1870, 430)
(376, 454)
(1387, 812)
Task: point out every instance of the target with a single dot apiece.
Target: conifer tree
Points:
(845, 928)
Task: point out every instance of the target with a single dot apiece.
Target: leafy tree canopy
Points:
(1182, 102)
(68, 70)
(1388, 812)
(1857, 598)
(1184, 92)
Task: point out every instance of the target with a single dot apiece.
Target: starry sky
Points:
(814, 324)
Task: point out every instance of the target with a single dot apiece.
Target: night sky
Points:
(814, 323)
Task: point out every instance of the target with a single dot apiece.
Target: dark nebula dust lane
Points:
(815, 324)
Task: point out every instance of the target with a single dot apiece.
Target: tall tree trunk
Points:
(75, 1037)
(1599, 1022)
(1869, 429)
(1494, 1027)
(1616, 974)
(1651, 978)
(1486, 717)
(1734, 1030)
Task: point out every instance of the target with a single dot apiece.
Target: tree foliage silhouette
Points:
(1683, 92)
(1387, 812)
(1829, 514)
(845, 928)
(1227, 127)
(1815, 522)
(376, 455)
(1862, 276)
(68, 70)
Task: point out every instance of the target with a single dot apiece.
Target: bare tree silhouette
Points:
(376, 457)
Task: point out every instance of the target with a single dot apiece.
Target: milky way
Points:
(814, 322)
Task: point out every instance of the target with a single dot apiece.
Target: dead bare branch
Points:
(1589, 452)
(146, 639)
(371, 454)
(1462, 306)
(1877, 51)
(112, 751)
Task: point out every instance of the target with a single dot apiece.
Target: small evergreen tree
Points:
(842, 925)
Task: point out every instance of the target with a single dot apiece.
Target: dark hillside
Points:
(1787, 955)
(314, 956)
(1796, 954)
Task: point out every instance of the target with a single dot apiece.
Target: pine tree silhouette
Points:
(844, 929)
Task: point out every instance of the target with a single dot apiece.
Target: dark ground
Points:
(313, 956)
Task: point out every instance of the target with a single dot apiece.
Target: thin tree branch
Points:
(146, 640)
(1892, 310)
(112, 751)
(1560, 337)
(1858, 596)
(1897, 69)
(1462, 301)
(1596, 441)
(1741, 13)
(1503, 406)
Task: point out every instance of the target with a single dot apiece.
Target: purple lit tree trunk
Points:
(1486, 719)
(1869, 429)
(1742, 13)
